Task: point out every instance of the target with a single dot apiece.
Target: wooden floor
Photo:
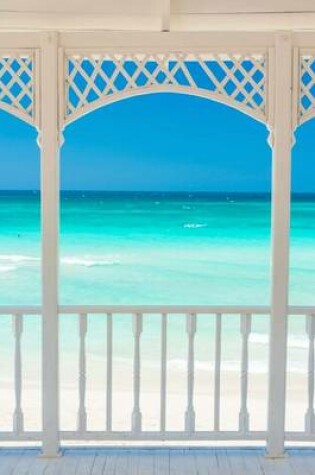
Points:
(194, 461)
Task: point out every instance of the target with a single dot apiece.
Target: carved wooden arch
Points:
(305, 100)
(18, 84)
(94, 79)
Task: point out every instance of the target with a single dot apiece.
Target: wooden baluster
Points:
(109, 389)
(18, 418)
(191, 326)
(310, 416)
(163, 371)
(82, 373)
(217, 371)
(136, 418)
(244, 415)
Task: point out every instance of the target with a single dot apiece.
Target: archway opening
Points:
(166, 200)
(302, 276)
(167, 145)
(20, 274)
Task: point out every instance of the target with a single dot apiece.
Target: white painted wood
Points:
(151, 21)
(21, 85)
(244, 415)
(243, 434)
(18, 418)
(136, 419)
(184, 41)
(192, 461)
(180, 436)
(166, 15)
(82, 416)
(163, 372)
(190, 416)
(280, 119)
(199, 310)
(50, 234)
(310, 415)
(217, 371)
(72, 7)
(238, 22)
(109, 372)
(243, 6)
(24, 310)
(281, 181)
(242, 98)
(161, 462)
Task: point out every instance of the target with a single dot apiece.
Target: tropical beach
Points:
(157, 237)
(155, 248)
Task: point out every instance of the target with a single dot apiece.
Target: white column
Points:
(310, 414)
(281, 186)
(49, 136)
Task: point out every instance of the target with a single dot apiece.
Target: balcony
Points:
(142, 423)
(51, 74)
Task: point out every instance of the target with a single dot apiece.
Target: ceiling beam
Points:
(166, 15)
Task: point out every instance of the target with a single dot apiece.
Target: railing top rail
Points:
(302, 310)
(160, 309)
(20, 310)
(155, 309)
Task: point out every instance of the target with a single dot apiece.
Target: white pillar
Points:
(49, 136)
(281, 186)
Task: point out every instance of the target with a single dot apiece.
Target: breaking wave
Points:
(195, 225)
(91, 261)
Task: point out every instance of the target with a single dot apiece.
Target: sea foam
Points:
(16, 258)
(7, 268)
(90, 261)
(195, 225)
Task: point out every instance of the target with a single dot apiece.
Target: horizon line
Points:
(191, 192)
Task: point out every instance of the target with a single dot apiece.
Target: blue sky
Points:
(157, 142)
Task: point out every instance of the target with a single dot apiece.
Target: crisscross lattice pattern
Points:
(93, 79)
(306, 108)
(17, 85)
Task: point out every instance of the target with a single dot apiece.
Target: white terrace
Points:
(62, 59)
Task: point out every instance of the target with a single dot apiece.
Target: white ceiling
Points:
(156, 14)
(109, 7)
(242, 6)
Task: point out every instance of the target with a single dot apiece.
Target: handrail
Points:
(153, 309)
(244, 315)
(24, 310)
(296, 310)
(158, 309)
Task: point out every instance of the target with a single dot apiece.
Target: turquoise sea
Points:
(157, 248)
(154, 248)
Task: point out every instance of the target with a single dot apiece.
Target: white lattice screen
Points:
(306, 105)
(17, 85)
(94, 79)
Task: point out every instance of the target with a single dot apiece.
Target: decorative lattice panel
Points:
(306, 106)
(17, 85)
(94, 79)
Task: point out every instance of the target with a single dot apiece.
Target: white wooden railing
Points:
(138, 314)
(193, 314)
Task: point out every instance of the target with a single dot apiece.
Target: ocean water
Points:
(157, 248)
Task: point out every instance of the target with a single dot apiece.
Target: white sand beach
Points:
(150, 400)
